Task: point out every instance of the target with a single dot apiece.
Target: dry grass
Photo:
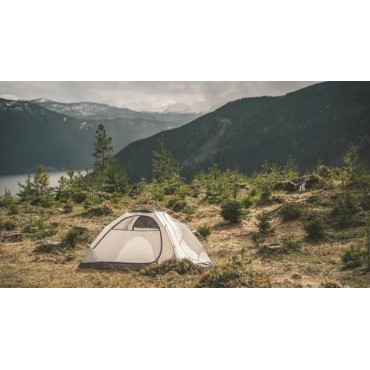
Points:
(315, 265)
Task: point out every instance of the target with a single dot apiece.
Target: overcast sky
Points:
(187, 96)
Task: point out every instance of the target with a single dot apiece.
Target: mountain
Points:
(32, 133)
(96, 111)
(317, 122)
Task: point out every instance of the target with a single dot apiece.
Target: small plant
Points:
(265, 193)
(39, 229)
(315, 228)
(354, 256)
(181, 267)
(264, 222)
(7, 225)
(72, 237)
(68, 208)
(257, 239)
(232, 211)
(205, 231)
(235, 273)
(247, 202)
(290, 212)
(290, 242)
(98, 211)
(189, 210)
(79, 197)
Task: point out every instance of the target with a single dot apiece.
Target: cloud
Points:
(180, 96)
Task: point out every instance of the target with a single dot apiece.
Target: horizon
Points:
(151, 96)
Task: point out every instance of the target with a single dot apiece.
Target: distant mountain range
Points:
(317, 122)
(60, 136)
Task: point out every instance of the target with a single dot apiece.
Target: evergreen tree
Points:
(102, 148)
(165, 166)
(115, 178)
(352, 163)
(36, 187)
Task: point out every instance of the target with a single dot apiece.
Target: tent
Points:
(137, 239)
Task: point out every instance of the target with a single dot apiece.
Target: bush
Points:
(290, 212)
(6, 200)
(72, 237)
(265, 194)
(98, 211)
(257, 239)
(290, 242)
(79, 197)
(247, 202)
(7, 225)
(315, 228)
(236, 273)
(346, 212)
(264, 222)
(354, 256)
(67, 208)
(39, 229)
(189, 210)
(181, 267)
(176, 205)
(205, 231)
(232, 212)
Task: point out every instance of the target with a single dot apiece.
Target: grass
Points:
(316, 265)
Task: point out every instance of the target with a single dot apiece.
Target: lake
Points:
(10, 182)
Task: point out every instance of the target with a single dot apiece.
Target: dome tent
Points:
(137, 239)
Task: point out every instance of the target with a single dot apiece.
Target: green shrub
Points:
(6, 200)
(247, 202)
(68, 208)
(189, 210)
(264, 222)
(265, 194)
(73, 236)
(39, 229)
(290, 242)
(253, 193)
(315, 228)
(354, 256)
(235, 273)
(345, 211)
(79, 197)
(98, 211)
(205, 231)
(290, 212)
(181, 267)
(257, 239)
(232, 212)
(176, 204)
(7, 225)
(47, 202)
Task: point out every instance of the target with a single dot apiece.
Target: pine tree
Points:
(165, 166)
(115, 178)
(102, 148)
(352, 162)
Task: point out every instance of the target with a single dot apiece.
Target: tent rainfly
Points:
(137, 239)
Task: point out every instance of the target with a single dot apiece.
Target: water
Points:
(10, 182)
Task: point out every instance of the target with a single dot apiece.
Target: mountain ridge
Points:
(315, 123)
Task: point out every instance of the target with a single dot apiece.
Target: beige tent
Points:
(140, 238)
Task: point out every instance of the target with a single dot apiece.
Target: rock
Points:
(296, 277)
(308, 182)
(323, 171)
(49, 246)
(289, 186)
(17, 237)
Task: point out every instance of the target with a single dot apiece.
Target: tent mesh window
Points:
(145, 223)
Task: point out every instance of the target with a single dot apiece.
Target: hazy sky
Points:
(152, 96)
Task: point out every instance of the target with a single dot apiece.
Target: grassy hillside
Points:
(284, 238)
